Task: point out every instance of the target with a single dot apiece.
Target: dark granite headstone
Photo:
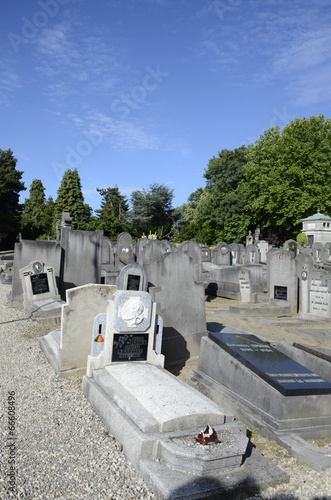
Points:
(130, 347)
(278, 370)
(39, 283)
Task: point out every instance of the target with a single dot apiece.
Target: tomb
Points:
(157, 417)
(284, 395)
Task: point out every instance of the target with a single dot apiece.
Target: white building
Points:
(317, 227)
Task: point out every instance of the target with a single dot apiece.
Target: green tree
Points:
(112, 216)
(10, 208)
(47, 221)
(70, 199)
(34, 207)
(113, 203)
(288, 175)
(217, 212)
(152, 210)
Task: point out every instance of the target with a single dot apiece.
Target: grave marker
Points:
(278, 370)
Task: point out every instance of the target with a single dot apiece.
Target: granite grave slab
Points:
(278, 370)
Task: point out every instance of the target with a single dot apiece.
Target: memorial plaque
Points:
(133, 282)
(39, 283)
(280, 292)
(130, 347)
(278, 370)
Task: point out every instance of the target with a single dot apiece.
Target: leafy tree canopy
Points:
(288, 175)
(213, 210)
(152, 210)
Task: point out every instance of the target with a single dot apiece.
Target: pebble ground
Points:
(60, 449)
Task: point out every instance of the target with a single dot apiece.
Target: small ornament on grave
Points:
(99, 338)
(208, 436)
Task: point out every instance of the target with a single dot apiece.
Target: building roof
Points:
(317, 216)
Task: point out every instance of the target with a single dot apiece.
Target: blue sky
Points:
(132, 92)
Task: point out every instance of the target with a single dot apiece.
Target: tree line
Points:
(284, 177)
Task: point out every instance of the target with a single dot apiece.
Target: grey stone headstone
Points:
(222, 254)
(205, 254)
(132, 277)
(124, 251)
(282, 279)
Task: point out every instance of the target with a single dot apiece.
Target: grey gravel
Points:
(63, 450)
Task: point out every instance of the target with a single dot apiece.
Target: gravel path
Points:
(59, 448)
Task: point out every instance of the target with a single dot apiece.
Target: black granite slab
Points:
(130, 347)
(278, 370)
(39, 283)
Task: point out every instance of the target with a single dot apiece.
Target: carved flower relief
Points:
(133, 312)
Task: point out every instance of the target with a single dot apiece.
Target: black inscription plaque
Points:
(278, 370)
(133, 282)
(39, 283)
(280, 292)
(130, 347)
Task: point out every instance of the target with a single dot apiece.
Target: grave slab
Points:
(278, 370)
(157, 417)
(231, 376)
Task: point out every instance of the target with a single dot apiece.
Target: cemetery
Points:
(178, 390)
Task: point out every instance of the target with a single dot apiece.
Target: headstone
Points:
(132, 277)
(108, 250)
(252, 254)
(124, 254)
(245, 286)
(180, 302)
(68, 348)
(304, 268)
(320, 295)
(130, 332)
(40, 290)
(193, 251)
(222, 254)
(291, 246)
(319, 254)
(149, 252)
(81, 258)
(64, 222)
(31, 251)
(282, 280)
(205, 253)
(249, 239)
(236, 253)
(263, 247)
